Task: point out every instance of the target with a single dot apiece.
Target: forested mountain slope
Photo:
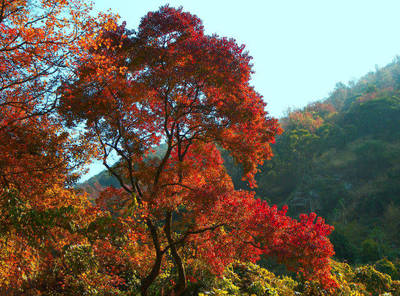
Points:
(339, 157)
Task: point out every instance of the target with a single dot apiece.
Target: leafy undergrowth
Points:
(250, 279)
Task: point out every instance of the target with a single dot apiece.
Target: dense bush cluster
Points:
(250, 279)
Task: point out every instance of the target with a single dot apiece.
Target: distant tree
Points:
(369, 250)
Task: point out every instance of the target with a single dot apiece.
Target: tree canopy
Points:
(171, 83)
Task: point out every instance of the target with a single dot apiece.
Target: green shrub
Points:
(386, 266)
(250, 279)
(374, 281)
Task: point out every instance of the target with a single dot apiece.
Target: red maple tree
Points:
(172, 86)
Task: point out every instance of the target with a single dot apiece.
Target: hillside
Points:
(339, 157)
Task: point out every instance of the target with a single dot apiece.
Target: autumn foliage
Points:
(167, 87)
(40, 40)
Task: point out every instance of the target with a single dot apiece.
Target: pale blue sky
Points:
(300, 48)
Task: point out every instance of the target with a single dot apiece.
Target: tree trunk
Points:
(155, 271)
(180, 286)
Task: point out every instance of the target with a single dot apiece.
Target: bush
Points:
(374, 281)
(386, 266)
(250, 279)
